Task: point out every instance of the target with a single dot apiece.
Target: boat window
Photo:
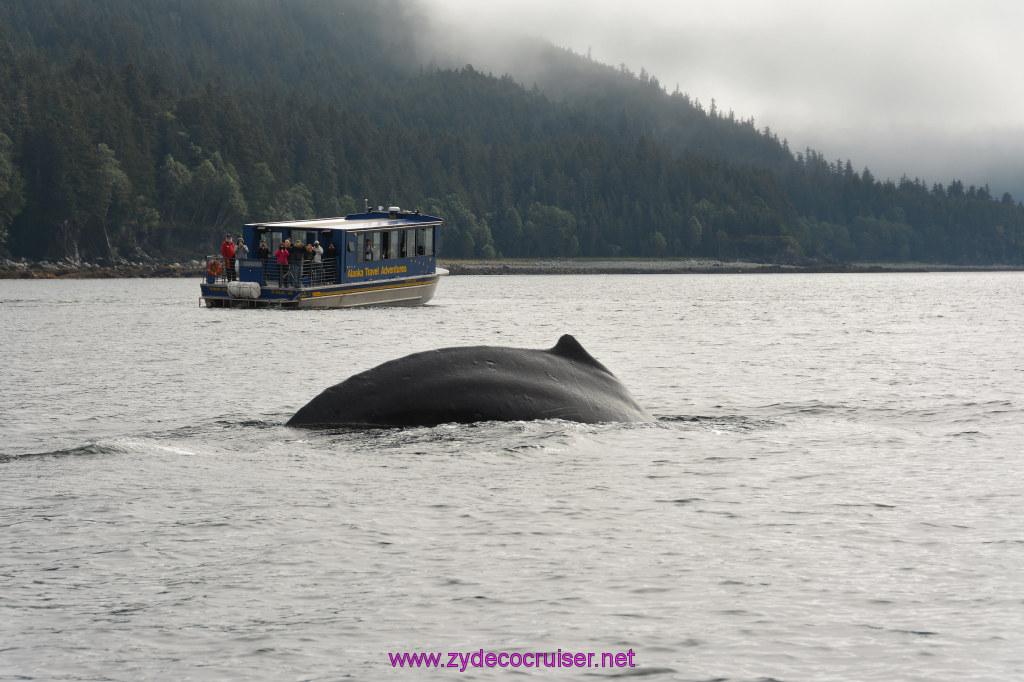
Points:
(409, 243)
(368, 248)
(395, 243)
(391, 244)
(425, 241)
(276, 237)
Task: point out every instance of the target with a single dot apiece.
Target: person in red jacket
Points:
(227, 252)
(282, 263)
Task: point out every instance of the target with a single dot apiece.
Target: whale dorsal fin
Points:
(571, 349)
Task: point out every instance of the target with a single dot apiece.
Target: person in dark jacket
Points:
(296, 253)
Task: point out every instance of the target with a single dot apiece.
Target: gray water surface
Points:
(833, 489)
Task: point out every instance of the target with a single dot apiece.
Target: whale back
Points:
(477, 383)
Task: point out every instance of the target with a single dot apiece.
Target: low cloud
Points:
(929, 89)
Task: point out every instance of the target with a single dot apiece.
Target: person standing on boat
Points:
(318, 261)
(241, 251)
(331, 259)
(263, 253)
(368, 256)
(227, 252)
(282, 262)
(295, 255)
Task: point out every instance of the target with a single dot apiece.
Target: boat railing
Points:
(297, 276)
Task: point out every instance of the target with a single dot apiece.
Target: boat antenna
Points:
(366, 205)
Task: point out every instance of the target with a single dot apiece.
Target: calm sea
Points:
(833, 490)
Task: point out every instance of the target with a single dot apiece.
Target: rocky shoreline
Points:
(24, 269)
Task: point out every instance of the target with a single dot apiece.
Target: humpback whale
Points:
(477, 383)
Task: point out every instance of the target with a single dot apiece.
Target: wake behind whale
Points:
(477, 383)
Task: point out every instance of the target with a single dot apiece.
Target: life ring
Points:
(214, 268)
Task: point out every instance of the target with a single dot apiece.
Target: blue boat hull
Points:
(396, 292)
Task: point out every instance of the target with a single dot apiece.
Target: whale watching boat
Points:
(373, 258)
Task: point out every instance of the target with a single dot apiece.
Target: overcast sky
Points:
(930, 88)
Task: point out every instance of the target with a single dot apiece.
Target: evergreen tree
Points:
(11, 186)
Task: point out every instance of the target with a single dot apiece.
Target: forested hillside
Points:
(143, 129)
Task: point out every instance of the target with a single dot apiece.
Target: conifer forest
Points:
(145, 129)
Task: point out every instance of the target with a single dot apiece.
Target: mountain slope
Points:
(146, 128)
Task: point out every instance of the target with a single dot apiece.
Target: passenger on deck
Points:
(282, 262)
(368, 256)
(241, 251)
(295, 255)
(263, 252)
(227, 252)
(318, 261)
(331, 259)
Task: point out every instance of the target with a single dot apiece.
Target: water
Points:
(832, 491)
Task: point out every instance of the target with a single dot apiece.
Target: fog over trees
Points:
(143, 129)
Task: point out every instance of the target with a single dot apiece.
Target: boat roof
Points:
(373, 220)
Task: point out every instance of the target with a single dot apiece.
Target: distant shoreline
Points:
(64, 270)
(695, 266)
